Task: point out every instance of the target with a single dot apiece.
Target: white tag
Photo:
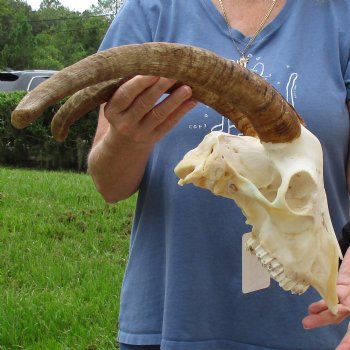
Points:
(254, 275)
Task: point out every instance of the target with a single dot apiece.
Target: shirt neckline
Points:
(238, 36)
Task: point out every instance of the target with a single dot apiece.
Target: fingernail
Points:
(185, 91)
(304, 326)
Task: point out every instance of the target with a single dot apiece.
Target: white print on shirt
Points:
(290, 95)
(201, 126)
(291, 88)
(226, 125)
(259, 68)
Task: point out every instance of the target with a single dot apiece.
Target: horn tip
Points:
(58, 132)
(20, 118)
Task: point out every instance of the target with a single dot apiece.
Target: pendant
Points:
(243, 61)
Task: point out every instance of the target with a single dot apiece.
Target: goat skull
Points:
(279, 188)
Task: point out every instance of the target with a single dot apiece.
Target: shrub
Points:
(34, 146)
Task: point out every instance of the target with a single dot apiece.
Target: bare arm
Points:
(129, 125)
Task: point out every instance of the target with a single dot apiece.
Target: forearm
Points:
(117, 166)
(129, 125)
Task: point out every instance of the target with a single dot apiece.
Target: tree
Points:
(107, 7)
(46, 55)
(52, 37)
(50, 4)
(17, 51)
(16, 36)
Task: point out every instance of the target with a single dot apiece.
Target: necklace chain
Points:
(243, 61)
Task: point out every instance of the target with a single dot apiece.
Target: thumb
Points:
(345, 343)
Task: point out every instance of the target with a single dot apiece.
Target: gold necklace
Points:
(243, 61)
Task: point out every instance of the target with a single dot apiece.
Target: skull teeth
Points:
(275, 268)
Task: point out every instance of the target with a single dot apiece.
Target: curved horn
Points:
(81, 103)
(91, 97)
(272, 117)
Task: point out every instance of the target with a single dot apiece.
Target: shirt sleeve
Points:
(130, 26)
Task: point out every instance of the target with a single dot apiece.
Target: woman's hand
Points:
(319, 314)
(128, 126)
(345, 343)
(133, 114)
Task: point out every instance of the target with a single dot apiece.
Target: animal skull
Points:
(279, 188)
(277, 183)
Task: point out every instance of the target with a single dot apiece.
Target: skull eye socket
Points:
(270, 191)
(301, 192)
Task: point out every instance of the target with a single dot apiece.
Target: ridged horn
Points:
(91, 97)
(273, 119)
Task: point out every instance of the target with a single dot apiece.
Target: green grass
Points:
(62, 257)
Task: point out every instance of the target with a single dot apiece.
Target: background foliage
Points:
(35, 147)
(53, 36)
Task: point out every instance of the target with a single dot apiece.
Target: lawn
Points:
(62, 257)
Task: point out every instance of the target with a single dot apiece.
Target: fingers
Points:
(136, 97)
(173, 118)
(317, 307)
(325, 317)
(171, 106)
(145, 102)
(133, 112)
(127, 93)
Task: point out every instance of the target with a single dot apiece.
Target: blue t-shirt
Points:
(182, 287)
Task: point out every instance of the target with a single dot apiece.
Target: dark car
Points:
(24, 80)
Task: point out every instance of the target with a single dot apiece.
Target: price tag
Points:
(254, 275)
